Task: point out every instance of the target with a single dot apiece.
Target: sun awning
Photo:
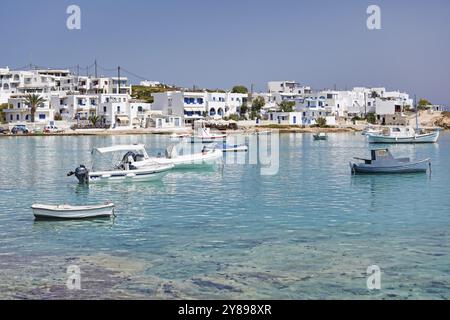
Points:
(194, 109)
(131, 147)
(123, 118)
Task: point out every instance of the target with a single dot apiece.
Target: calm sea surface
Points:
(309, 232)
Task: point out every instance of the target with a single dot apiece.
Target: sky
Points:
(218, 44)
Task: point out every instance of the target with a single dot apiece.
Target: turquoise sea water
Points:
(309, 232)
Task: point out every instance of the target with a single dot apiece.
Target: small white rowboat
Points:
(42, 211)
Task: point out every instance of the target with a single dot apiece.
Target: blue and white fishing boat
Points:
(399, 134)
(402, 134)
(382, 161)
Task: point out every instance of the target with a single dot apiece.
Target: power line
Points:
(134, 75)
(76, 69)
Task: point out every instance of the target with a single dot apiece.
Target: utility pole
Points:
(78, 70)
(365, 103)
(95, 63)
(250, 98)
(417, 113)
(118, 82)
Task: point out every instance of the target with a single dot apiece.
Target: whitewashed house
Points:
(19, 110)
(138, 110)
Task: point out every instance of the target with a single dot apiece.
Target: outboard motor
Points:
(82, 174)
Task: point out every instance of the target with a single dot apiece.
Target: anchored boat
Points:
(320, 136)
(204, 135)
(382, 161)
(371, 130)
(179, 136)
(231, 147)
(398, 134)
(43, 211)
(234, 148)
(172, 157)
(135, 165)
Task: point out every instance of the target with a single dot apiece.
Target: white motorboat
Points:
(179, 136)
(135, 165)
(399, 134)
(232, 147)
(204, 135)
(382, 161)
(371, 130)
(189, 160)
(43, 211)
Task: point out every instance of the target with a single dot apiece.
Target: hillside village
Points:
(42, 97)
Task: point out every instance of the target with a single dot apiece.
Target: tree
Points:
(239, 89)
(33, 100)
(2, 114)
(94, 119)
(257, 104)
(371, 118)
(286, 106)
(321, 122)
(243, 110)
(424, 103)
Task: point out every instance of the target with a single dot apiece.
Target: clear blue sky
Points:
(214, 44)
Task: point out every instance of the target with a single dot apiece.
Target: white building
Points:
(75, 107)
(299, 118)
(288, 87)
(19, 110)
(161, 121)
(198, 105)
(147, 83)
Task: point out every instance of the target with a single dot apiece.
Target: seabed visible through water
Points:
(309, 232)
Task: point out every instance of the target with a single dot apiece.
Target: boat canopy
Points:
(131, 147)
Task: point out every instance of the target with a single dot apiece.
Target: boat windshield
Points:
(381, 154)
(114, 158)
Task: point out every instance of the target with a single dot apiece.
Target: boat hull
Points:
(231, 148)
(141, 174)
(69, 212)
(211, 139)
(412, 167)
(422, 138)
(191, 160)
(242, 148)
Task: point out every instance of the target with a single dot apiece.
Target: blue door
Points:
(294, 120)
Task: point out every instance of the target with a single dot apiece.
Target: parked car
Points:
(51, 129)
(20, 129)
